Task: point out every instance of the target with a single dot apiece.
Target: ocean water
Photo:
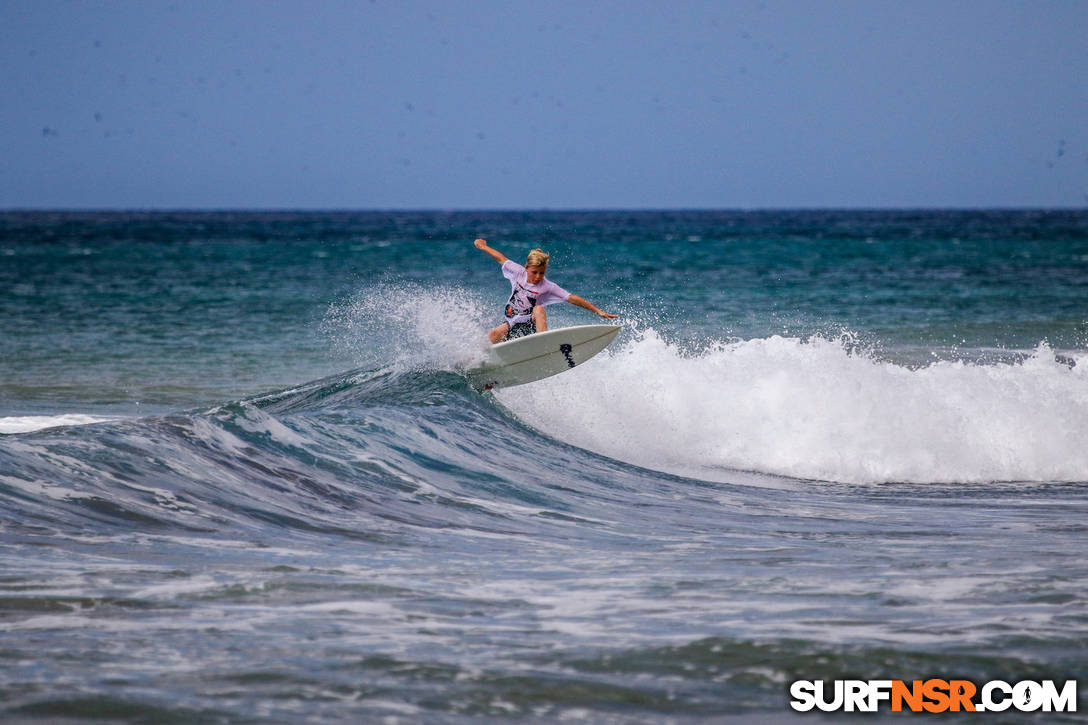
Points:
(244, 480)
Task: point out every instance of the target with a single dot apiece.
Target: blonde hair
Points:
(537, 258)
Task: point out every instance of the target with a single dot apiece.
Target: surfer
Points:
(530, 293)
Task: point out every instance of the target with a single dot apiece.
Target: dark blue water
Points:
(243, 478)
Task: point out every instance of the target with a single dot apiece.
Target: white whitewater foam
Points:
(814, 409)
(29, 423)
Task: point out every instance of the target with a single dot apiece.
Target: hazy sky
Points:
(543, 104)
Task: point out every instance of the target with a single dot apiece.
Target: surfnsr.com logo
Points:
(933, 695)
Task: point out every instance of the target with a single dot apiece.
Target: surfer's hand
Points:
(498, 256)
(605, 315)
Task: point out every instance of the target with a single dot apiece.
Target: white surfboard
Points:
(540, 355)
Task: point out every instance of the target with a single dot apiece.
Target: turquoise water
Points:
(242, 477)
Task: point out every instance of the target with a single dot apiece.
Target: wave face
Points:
(244, 479)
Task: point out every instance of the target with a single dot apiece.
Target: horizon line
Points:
(502, 210)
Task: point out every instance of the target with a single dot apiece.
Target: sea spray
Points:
(818, 409)
(410, 326)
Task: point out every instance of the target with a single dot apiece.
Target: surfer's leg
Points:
(499, 333)
(540, 318)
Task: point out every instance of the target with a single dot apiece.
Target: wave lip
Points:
(819, 409)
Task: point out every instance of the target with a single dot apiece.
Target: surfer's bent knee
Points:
(499, 333)
(540, 318)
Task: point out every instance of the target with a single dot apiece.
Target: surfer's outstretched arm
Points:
(586, 304)
(481, 244)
